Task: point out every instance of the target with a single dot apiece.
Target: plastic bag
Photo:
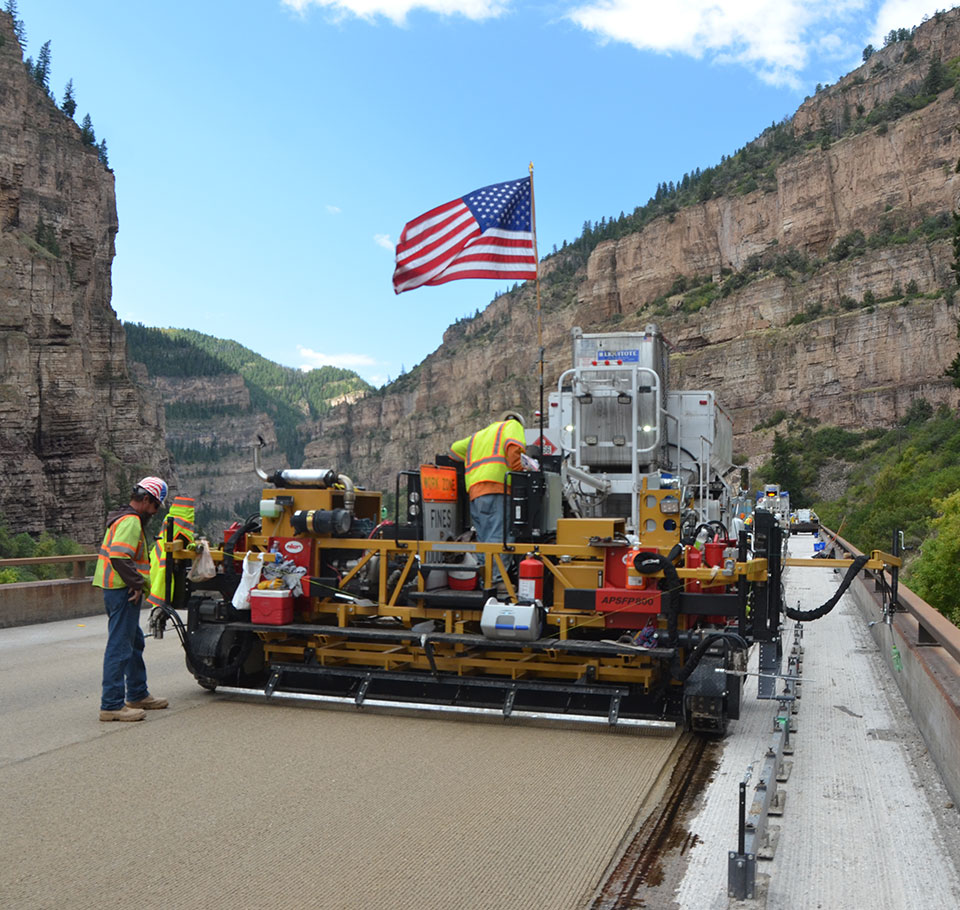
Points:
(252, 566)
(203, 567)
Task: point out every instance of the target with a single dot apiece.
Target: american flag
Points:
(485, 234)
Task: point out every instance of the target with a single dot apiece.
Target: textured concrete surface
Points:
(225, 803)
(868, 821)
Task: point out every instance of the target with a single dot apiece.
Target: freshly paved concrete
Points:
(868, 822)
(216, 802)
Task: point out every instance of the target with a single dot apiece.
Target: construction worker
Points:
(487, 456)
(183, 512)
(123, 572)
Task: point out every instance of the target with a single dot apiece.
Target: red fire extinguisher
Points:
(530, 585)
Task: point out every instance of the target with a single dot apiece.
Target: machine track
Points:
(659, 836)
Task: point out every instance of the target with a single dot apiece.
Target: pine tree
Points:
(41, 69)
(102, 154)
(19, 29)
(937, 78)
(86, 131)
(69, 103)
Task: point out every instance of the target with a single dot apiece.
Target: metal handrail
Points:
(79, 561)
(935, 627)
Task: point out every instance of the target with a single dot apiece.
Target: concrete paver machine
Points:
(629, 610)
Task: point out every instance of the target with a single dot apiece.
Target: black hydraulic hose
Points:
(648, 564)
(730, 640)
(808, 615)
(251, 523)
(196, 663)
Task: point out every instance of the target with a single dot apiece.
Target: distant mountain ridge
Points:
(218, 396)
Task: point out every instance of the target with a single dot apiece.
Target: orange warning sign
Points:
(438, 484)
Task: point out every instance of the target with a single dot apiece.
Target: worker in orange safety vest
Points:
(123, 572)
(487, 456)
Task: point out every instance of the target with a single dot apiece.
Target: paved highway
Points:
(216, 802)
(223, 803)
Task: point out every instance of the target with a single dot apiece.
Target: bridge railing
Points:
(78, 560)
(933, 628)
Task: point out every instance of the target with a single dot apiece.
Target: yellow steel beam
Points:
(878, 561)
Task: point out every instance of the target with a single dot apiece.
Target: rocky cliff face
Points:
(213, 448)
(838, 339)
(75, 427)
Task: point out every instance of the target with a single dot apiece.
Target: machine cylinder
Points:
(329, 522)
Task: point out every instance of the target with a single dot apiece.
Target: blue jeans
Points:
(123, 668)
(486, 513)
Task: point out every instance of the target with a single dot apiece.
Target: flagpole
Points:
(536, 259)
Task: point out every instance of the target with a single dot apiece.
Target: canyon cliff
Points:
(803, 280)
(817, 281)
(75, 426)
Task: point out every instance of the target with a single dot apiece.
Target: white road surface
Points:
(868, 823)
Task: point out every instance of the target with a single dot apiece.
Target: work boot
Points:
(150, 703)
(124, 713)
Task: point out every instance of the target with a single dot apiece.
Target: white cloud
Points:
(384, 241)
(772, 37)
(899, 14)
(334, 209)
(397, 10)
(344, 359)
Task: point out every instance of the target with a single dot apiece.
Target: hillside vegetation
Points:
(21, 545)
(290, 397)
(905, 478)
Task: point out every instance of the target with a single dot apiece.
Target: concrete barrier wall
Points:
(929, 682)
(28, 602)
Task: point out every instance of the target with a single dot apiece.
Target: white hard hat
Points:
(155, 486)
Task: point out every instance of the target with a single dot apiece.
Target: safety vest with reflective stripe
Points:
(124, 540)
(158, 576)
(182, 512)
(485, 453)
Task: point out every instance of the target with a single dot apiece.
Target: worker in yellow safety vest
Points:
(487, 455)
(123, 571)
(182, 513)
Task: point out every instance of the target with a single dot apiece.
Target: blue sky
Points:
(268, 152)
